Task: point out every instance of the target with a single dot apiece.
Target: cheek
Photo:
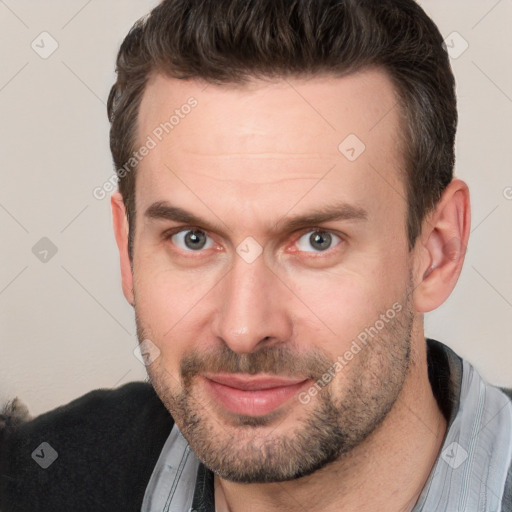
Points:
(165, 311)
(171, 303)
(343, 303)
(351, 305)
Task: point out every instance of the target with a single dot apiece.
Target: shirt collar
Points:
(475, 458)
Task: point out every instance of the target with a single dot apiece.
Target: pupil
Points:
(195, 240)
(320, 241)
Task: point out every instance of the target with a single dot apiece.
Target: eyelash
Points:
(167, 235)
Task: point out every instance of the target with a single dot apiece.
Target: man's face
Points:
(249, 311)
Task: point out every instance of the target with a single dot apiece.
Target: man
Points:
(286, 214)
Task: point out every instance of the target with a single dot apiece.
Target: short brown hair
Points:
(232, 41)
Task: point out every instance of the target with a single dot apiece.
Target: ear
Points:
(439, 255)
(121, 229)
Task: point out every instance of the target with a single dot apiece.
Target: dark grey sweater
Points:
(107, 441)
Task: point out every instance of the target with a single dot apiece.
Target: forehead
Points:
(334, 106)
(267, 139)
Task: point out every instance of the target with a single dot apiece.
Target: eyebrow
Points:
(162, 210)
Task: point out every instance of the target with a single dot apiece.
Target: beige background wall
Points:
(65, 326)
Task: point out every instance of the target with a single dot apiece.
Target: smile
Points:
(251, 396)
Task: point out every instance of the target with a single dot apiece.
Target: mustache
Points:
(275, 360)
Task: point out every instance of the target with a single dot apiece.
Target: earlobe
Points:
(442, 247)
(121, 232)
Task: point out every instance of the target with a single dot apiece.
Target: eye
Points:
(191, 240)
(321, 241)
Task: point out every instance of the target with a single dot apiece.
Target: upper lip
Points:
(252, 383)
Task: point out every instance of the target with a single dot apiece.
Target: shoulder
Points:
(104, 445)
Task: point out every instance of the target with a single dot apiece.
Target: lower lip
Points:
(252, 403)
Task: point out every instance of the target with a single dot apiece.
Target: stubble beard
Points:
(337, 420)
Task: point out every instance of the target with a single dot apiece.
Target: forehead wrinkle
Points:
(268, 155)
(248, 181)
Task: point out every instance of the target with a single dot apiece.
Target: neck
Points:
(387, 472)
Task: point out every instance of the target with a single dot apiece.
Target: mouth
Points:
(251, 395)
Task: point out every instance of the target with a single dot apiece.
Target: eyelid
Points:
(312, 229)
(177, 229)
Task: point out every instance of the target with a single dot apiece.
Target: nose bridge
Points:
(252, 308)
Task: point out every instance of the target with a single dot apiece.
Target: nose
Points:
(253, 307)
